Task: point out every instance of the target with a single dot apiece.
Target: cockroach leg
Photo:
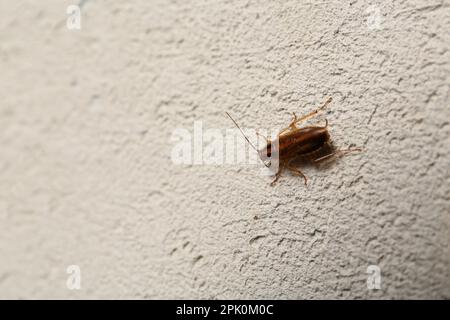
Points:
(296, 120)
(297, 171)
(292, 125)
(277, 176)
(337, 153)
(315, 112)
(284, 130)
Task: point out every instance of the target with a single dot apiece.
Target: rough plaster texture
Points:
(85, 124)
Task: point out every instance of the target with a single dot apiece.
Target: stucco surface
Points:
(86, 176)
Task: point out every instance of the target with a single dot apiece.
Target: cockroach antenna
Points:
(248, 140)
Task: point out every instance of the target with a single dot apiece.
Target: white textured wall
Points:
(86, 178)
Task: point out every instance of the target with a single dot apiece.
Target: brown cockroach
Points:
(293, 143)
